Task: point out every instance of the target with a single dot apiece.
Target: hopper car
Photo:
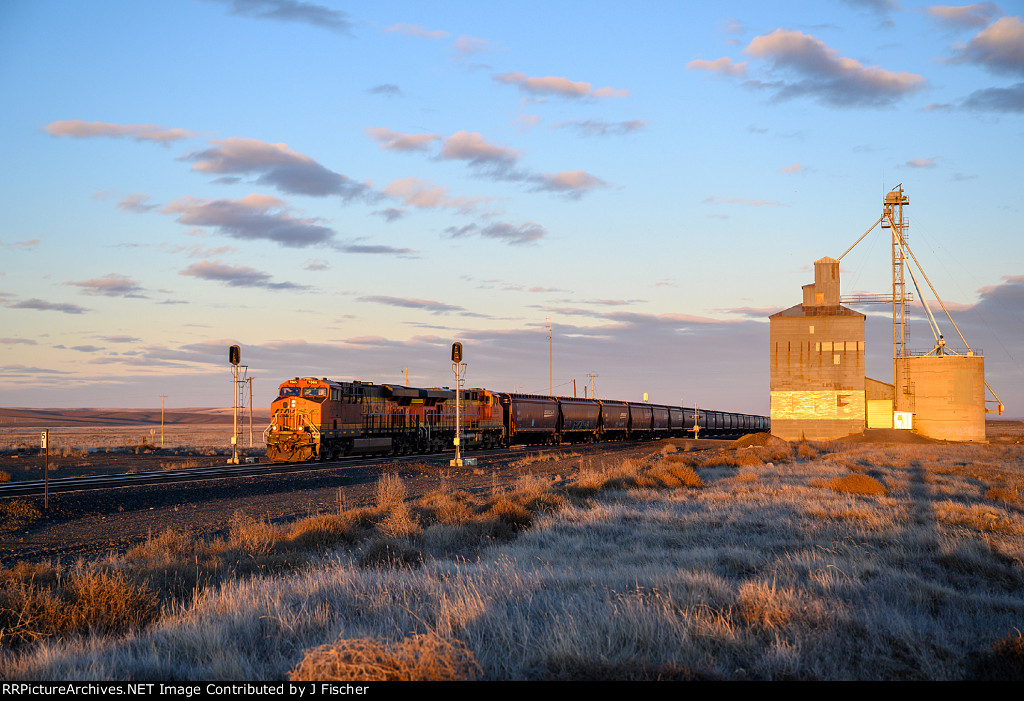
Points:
(321, 419)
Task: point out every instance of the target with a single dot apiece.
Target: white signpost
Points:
(46, 469)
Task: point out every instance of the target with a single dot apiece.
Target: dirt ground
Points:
(91, 523)
(95, 522)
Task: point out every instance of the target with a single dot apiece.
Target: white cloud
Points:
(112, 285)
(554, 85)
(415, 30)
(508, 233)
(423, 194)
(291, 11)
(397, 141)
(236, 276)
(722, 66)
(574, 182)
(78, 129)
(252, 217)
(276, 165)
(472, 147)
(965, 15)
(600, 127)
(823, 74)
(999, 47)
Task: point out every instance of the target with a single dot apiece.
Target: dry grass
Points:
(805, 451)
(766, 606)
(38, 603)
(417, 658)
(1006, 495)
(857, 484)
(979, 517)
(398, 519)
(1004, 661)
(856, 562)
(447, 507)
(669, 475)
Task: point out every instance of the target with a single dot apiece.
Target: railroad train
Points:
(321, 419)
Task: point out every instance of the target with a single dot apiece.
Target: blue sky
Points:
(346, 189)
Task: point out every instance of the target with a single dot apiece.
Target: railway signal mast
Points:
(459, 367)
(235, 357)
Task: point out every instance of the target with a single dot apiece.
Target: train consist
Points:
(321, 419)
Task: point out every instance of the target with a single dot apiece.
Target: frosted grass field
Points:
(813, 561)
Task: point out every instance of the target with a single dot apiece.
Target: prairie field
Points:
(759, 560)
(89, 442)
(66, 440)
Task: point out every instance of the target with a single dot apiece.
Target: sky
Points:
(594, 194)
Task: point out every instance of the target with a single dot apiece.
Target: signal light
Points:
(456, 352)
(234, 355)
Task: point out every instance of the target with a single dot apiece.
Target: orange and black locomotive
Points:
(321, 419)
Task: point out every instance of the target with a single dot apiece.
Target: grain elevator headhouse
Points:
(817, 363)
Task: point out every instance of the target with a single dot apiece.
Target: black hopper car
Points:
(529, 418)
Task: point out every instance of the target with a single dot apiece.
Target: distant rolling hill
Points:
(16, 416)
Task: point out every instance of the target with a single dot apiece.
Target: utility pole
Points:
(593, 386)
(249, 382)
(551, 391)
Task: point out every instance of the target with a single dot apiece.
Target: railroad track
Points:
(218, 472)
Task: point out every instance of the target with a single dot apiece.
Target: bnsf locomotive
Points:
(321, 419)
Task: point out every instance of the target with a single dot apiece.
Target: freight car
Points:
(542, 419)
(321, 419)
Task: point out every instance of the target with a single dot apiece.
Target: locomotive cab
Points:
(309, 418)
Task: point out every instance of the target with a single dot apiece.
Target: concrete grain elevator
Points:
(817, 363)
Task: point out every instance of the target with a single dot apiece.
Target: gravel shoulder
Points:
(87, 524)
